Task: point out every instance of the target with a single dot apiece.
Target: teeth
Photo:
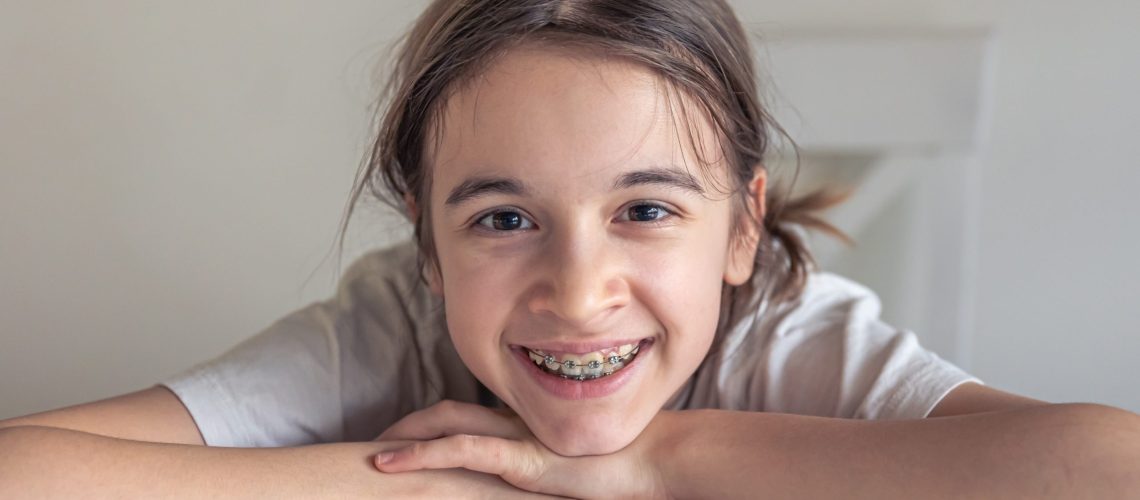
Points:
(614, 365)
(551, 363)
(586, 366)
(592, 364)
(571, 365)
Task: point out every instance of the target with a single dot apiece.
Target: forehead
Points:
(555, 114)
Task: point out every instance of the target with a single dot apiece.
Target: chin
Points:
(573, 437)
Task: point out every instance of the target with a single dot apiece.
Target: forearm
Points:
(1073, 451)
(39, 462)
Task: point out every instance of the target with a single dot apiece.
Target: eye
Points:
(647, 212)
(505, 221)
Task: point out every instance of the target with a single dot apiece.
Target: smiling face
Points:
(570, 218)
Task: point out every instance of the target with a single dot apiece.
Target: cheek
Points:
(682, 288)
(692, 269)
(478, 300)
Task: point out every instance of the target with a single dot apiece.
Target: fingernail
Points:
(385, 457)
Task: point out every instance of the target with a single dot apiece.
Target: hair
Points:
(697, 47)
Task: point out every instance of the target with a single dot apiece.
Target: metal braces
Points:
(548, 359)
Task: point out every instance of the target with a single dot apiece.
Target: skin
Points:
(585, 266)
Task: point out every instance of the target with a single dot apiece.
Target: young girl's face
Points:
(573, 225)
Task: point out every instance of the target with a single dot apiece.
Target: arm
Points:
(113, 448)
(1066, 451)
(44, 462)
(987, 444)
(153, 414)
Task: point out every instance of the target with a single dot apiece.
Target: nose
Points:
(582, 280)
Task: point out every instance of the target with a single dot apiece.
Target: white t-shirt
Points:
(347, 368)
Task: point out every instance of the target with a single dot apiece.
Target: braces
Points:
(593, 365)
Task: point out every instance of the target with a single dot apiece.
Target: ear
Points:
(410, 206)
(741, 258)
(431, 272)
(433, 278)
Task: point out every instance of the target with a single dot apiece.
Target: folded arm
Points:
(1058, 451)
(982, 443)
(145, 444)
(45, 462)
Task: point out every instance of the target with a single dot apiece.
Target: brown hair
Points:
(697, 46)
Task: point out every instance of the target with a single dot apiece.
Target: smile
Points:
(589, 366)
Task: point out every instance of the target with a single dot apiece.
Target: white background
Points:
(172, 175)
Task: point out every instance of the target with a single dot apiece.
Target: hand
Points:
(451, 434)
(447, 483)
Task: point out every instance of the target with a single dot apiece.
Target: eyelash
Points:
(478, 224)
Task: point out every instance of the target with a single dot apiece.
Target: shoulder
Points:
(396, 264)
(382, 308)
(828, 303)
(384, 282)
(829, 353)
(767, 345)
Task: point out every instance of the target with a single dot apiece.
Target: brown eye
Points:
(647, 213)
(505, 220)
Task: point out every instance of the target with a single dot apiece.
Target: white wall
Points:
(171, 173)
(1057, 316)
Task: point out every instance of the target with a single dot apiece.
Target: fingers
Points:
(520, 463)
(517, 462)
(452, 417)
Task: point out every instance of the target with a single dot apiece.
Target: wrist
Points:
(672, 437)
(695, 450)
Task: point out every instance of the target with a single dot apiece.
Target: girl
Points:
(597, 247)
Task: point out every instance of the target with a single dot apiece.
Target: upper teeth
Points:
(589, 365)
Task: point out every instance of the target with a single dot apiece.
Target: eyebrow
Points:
(663, 176)
(477, 187)
(481, 186)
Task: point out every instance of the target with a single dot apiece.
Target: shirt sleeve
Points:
(835, 357)
(278, 388)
